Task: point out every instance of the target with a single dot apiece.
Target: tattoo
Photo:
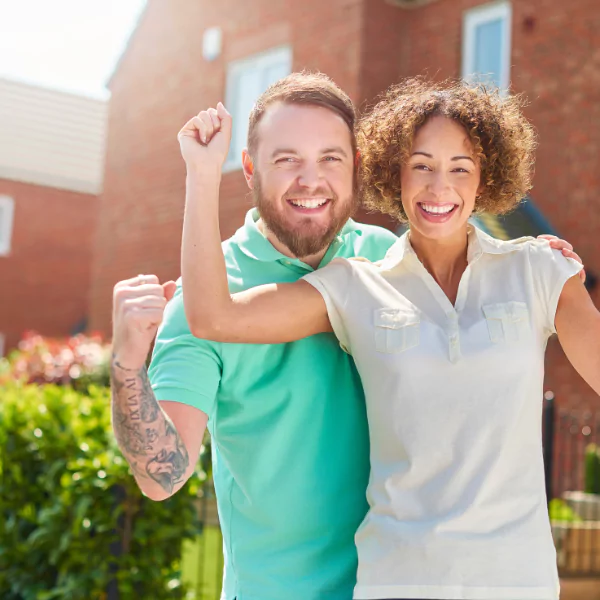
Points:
(146, 436)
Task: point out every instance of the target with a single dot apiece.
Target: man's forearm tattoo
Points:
(146, 436)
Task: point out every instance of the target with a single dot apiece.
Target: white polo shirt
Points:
(454, 400)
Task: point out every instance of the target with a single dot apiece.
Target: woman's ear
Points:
(248, 167)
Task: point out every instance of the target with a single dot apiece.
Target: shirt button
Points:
(454, 340)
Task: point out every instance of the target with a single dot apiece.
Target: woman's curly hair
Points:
(502, 138)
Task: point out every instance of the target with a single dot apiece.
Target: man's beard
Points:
(304, 239)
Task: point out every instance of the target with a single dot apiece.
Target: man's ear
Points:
(248, 167)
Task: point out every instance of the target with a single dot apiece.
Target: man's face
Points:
(303, 178)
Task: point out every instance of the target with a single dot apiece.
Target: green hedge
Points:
(69, 503)
(592, 469)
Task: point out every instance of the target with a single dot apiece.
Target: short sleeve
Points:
(550, 271)
(184, 368)
(333, 283)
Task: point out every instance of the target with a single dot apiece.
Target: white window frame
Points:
(479, 16)
(278, 55)
(7, 204)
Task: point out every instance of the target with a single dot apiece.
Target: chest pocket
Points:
(396, 330)
(507, 322)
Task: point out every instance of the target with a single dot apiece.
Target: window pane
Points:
(3, 225)
(488, 51)
(273, 73)
(247, 89)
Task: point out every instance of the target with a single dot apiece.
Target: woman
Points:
(448, 334)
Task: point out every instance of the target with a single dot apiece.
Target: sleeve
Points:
(333, 282)
(550, 271)
(184, 368)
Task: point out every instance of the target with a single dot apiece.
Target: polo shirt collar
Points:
(254, 244)
(479, 243)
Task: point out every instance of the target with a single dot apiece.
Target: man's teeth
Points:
(437, 210)
(309, 203)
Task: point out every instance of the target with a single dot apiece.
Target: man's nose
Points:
(309, 176)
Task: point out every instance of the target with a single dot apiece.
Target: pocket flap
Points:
(494, 311)
(515, 311)
(394, 318)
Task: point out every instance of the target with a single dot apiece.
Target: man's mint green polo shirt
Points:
(289, 432)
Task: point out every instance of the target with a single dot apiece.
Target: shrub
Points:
(592, 469)
(78, 361)
(560, 511)
(69, 503)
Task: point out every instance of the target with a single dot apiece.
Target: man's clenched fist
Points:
(138, 307)
(204, 140)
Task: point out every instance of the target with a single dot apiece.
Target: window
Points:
(486, 44)
(247, 79)
(7, 207)
(2, 344)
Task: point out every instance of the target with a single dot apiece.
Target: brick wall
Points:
(45, 279)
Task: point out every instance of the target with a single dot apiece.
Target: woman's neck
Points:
(445, 259)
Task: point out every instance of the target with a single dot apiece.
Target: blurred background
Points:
(92, 95)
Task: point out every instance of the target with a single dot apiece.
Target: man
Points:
(288, 422)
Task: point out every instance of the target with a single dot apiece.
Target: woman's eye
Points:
(421, 168)
(460, 170)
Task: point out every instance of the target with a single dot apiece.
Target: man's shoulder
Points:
(373, 241)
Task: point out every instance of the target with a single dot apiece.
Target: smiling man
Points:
(288, 422)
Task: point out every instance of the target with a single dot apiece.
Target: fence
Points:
(572, 461)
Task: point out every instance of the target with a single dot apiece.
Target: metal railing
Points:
(572, 460)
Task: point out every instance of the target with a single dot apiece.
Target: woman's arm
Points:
(578, 326)
(268, 314)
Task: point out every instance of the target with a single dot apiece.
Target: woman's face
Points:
(440, 180)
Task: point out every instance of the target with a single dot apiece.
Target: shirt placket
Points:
(452, 313)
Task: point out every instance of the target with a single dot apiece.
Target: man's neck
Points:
(313, 260)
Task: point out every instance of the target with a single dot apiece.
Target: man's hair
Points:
(312, 89)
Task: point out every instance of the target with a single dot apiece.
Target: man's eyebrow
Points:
(453, 158)
(283, 151)
(335, 150)
(331, 150)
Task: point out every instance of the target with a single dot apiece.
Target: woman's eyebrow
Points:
(453, 158)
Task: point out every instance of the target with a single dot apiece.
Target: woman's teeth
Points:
(309, 202)
(438, 210)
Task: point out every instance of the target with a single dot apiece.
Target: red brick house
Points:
(189, 54)
(51, 163)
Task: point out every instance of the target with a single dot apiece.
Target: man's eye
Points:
(332, 158)
(285, 159)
